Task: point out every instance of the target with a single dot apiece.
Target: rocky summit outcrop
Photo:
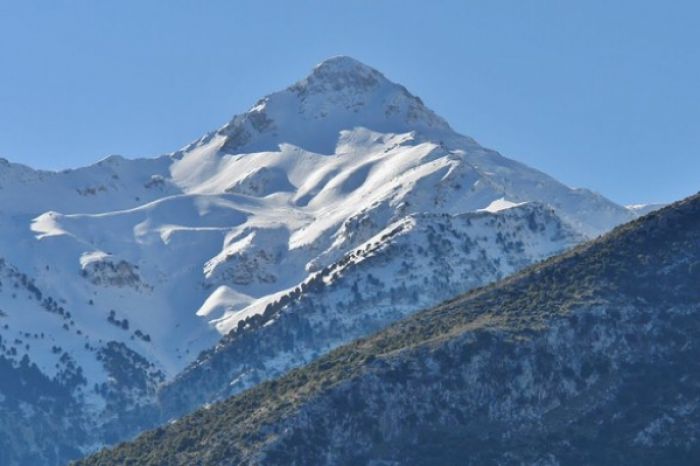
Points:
(592, 357)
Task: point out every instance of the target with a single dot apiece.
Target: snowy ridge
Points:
(643, 209)
(340, 177)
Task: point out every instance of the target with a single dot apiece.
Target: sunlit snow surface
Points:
(500, 204)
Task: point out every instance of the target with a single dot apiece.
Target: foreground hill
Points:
(592, 357)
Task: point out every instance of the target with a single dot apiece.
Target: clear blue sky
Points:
(599, 94)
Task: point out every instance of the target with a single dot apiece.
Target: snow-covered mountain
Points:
(326, 211)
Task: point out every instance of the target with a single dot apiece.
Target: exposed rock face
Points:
(589, 358)
(109, 272)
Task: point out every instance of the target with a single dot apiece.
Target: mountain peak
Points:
(343, 64)
(341, 73)
(341, 76)
(339, 94)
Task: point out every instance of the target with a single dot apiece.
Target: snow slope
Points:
(143, 264)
